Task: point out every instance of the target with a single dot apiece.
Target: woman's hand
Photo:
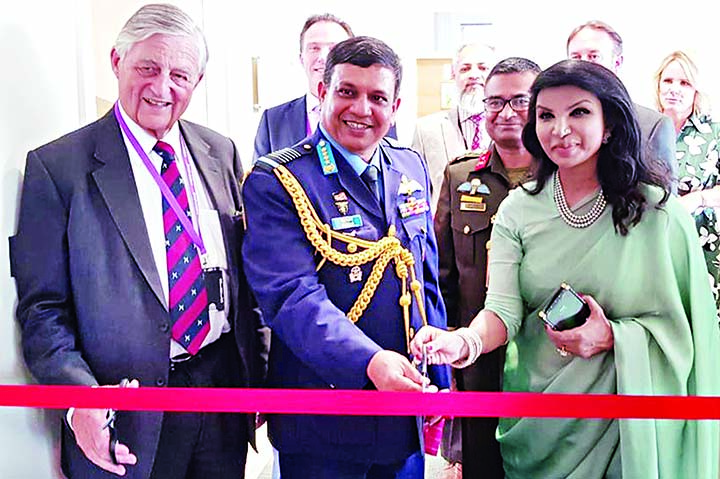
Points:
(701, 198)
(593, 337)
(441, 347)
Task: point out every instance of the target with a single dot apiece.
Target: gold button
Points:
(352, 248)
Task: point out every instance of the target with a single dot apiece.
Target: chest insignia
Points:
(355, 275)
(341, 202)
(346, 222)
(413, 206)
(408, 187)
(474, 187)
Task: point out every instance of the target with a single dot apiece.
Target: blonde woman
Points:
(677, 96)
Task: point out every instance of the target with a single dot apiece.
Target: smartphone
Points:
(565, 309)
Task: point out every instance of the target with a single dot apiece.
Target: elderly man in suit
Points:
(325, 217)
(443, 136)
(598, 42)
(127, 265)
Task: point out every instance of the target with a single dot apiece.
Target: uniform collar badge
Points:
(327, 160)
(483, 160)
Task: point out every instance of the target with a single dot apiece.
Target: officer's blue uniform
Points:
(314, 345)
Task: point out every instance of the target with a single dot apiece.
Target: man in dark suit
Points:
(286, 124)
(341, 315)
(598, 42)
(127, 265)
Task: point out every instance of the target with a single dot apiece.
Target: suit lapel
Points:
(452, 134)
(296, 124)
(115, 180)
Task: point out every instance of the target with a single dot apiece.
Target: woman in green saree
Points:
(599, 218)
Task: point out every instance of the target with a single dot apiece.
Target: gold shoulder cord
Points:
(360, 252)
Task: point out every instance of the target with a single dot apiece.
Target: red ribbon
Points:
(371, 403)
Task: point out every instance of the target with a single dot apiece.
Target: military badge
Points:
(346, 222)
(341, 202)
(483, 160)
(355, 275)
(474, 187)
(413, 206)
(408, 187)
(327, 160)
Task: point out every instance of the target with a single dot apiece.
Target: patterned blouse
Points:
(697, 155)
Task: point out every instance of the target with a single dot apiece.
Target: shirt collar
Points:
(146, 140)
(311, 101)
(356, 162)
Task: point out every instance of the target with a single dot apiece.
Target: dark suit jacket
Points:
(658, 138)
(285, 125)
(91, 306)
(314, 345)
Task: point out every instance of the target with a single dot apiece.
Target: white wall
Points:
(40, 99)
(56, 62)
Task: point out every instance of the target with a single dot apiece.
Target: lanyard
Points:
(164, 189)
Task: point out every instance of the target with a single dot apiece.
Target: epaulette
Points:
(468, 155)
(280, 157)
(482, 158)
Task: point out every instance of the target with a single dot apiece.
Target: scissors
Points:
(110, 425)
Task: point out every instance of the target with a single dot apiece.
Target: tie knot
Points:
(370, 174)
(165, 151)
(476, 118)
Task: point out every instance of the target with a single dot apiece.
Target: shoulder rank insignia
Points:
(483, 160)
(327, 160)
(474, 187)
(408, 187)
(277, 158)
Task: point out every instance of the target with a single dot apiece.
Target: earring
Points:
(606, 138)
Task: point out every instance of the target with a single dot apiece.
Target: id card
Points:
(214, 287)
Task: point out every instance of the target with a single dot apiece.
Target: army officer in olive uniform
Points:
(473, 187)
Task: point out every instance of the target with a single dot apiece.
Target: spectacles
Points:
(497, 104)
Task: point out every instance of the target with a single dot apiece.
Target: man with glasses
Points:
(443, 136)
(472, 189)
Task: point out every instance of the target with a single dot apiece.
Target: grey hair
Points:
(161, 18)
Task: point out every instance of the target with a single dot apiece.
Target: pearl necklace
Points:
(571, 218)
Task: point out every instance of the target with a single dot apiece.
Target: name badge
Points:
(346, 222)
(477, 207)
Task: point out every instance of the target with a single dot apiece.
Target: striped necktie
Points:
(188, 298)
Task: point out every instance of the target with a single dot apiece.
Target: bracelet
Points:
(475, 347)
